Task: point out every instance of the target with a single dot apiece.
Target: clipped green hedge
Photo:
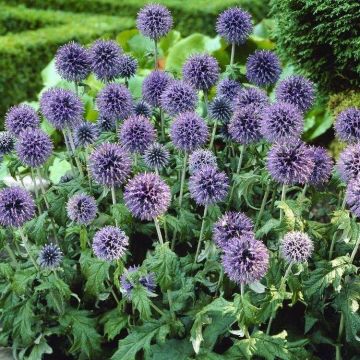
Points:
(190, 16)
(24, 55)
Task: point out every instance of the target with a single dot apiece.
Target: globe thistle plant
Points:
(220, 109)
(115, 101)
(200, 158)
(178, 97)
(72, 62)
(50, 256)
(251, 96)
(297, 91)
(105, 59)
(156, 156)
(110, 243)
(352, 196)
(347, 125)
(296, 247)
(81, 209)
(133, 277)
(20, 118)
(7, 142)
(143, 108)
(86, 134)
(127, 66)
(282, 121)
(323, 166)
(106, 123)
(349, 162)
(154, 85)
(229, 89)
(110, 165)
(16, 207)
(137, 134)
(34, 148)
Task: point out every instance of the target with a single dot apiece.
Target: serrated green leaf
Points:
(22, 280)
(36, 228)
(23, 323)
(141, 302)
(39, 349)
(114, 321)
(171, 349)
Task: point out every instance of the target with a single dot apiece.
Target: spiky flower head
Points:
(133, 277)
(349, 162)
(251, 96)
(143, 108)
(110, 164)
(229, 89)
(72, 62)
(105, 58)
(281, 121)
(7, 142)
(232, 225)
(106, 123)
(81, 209)
(127, 66)
(147, 196)
(290, 162)
(50, 256)
(110, 243)
(245, 260)
(188, 131)
(296, 90)
(234, 25)
(137, 133)
(323, 166)
(19, 118)
(220, 109)
(353, 196)
(296, 247)
(263, 68)
(34, 147)
(154, 21)
(156, 156)
(154, 85)
(16, 207)
(86, 134)
(63, 108)
(201, 71)
(115, 101)
(244, 126)
(347, 125)
(178, 97)
(200, 158)
(208, 186)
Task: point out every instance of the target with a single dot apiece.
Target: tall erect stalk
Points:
(201, 234)
(263, 204)
(158, 231)
(33, 178)
(242, 150)
(69, 152)
(182, 182)
(283, 197)
(213, 135)
(232, 57)
(113, 198)
(72, 146)
(155, 54)
(26, 246)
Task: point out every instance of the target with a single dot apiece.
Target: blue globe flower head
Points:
(323, 166)
(50, 256)
(353, 196)
(127, 66)
(200, 158)
(229, 89)
(154, 85)
(251, 96)
(221, 109)
(20, 118)
(7, 142)
(347, 125)
(86, 134)
(349, 162)
(143, 108)
(106, 123)
(81, 209)
(156, 156)
(296, 247)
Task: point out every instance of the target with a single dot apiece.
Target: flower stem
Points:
(156, 308)
(213, 135)
(263, 203)
(35, 190)
(77, 161)
(26, 246)
(68, 152)
(206, 103)
(242, 292)
(113, 198)
(162, 123)
(183, 173)
(303, 193)
(232, 54)
(283, 197)
(201, 234)
(242, 149)
(158, 230)
(156, 54)
(332, 245)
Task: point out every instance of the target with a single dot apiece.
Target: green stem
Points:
(343, 205)
(242, 292)
(213, 135)
(112, 292)
(35, 190)
(263, 203)
(68, 151)
(170, 304)
(183, 173)
(156, 308)
(242, 149)
(303, 193)
(332, 245)
(206, 103)
(232, 54)
(113, 198)
(87, 156)
(355, 250)
(162, 124)
(283, 196)
(11, 254)
(26, 246)
(156, 54)
(338, 346)
(158, 230)
(77, 161)
(201, 234)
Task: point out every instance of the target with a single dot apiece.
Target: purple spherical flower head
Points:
(154, 21)
(208, 186)
(127, 66)
(72, 62)
(50, 256)
(323, 166)
(156, 156)
(115, 100)
(178, 97)
(20, 118)
(81, 209)
(296, 247)
(110, 165)
(16, 207)
(347, 125)
(154, 85)
(106, 123)
(147, 196)
(353, 196)
(7, 142)
(244, 127)
(232, 225)
(105, 58)
(220, 109)
(201, 71)
(263, 68)
(110, 243)
(229, 89)
(290, 163)
(188, 131)
(86, 134)
(349, 162)
(143, 108)
(234, 25)
(281, 121)
(200, 158)
(146, 280)
(62, 108)
(137, 133)
(34, 147)
(251, 96)
(296, 90)
(245, 260)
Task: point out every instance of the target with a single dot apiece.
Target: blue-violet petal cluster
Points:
(81, 209)
(296, 247)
